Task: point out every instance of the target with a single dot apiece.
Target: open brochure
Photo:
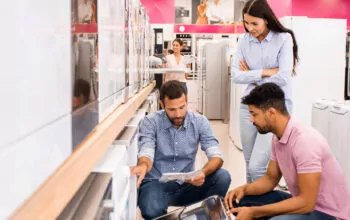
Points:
(179, 176)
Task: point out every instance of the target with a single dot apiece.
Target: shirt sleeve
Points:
(209, 144)
(209, 11)
(273, 150)
(307, 155)
(243, 77)
(285, 64)
(147, 139)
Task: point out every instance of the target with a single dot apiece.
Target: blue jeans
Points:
(278, 196)
(155, 197)
(256, 147)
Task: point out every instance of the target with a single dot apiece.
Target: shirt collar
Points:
(167, 123)
(267, 38)
(287, 132)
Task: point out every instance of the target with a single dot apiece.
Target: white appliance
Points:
(339, 138)
(126, 207)
(111, 56)
(320, 116)
(319, 74)
(115, 162)
(235, 102)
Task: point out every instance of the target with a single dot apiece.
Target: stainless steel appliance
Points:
(210, 208)
(182, 15)
(214, 78)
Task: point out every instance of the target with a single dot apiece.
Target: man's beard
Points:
(178, 121)
(262, 130)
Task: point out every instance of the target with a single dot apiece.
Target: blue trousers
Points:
(278, 196)
(155, 197)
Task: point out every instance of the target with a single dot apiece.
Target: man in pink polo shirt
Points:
(299, 153)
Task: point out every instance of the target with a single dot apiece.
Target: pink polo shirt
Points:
(304, 150)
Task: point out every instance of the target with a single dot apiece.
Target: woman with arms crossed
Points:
(268, 52)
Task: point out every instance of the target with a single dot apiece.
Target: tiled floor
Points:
(233, 158)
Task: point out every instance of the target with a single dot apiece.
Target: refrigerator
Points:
(235, 102)
(319, 75)
(213, 79)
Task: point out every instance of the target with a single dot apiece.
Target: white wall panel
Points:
(27, 164)
(320, 73)
(111, 54)
(35, 55)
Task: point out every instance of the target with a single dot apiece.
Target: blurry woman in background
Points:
(268, 52)
(176, 60)
(201, 13)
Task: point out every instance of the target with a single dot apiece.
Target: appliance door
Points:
(213, 89)
(182, 15)
(320, 116)
(339, 139)
(201, 78)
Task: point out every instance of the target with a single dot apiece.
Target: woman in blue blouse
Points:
(268, 52)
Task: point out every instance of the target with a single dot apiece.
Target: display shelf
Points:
(53, 196)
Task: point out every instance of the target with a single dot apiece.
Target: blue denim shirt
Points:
(275, 51)
(174, 150)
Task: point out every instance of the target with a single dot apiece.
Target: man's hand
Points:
(234, 195)
(243, 213)
(197, 180)
(140, 172)
(243, 66)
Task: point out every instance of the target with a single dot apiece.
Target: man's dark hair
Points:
(172, 89)
(265, 96)
(82, 87)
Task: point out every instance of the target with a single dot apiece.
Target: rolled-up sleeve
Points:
(147, 139)
(209, 144)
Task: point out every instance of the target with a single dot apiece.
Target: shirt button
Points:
(174, 168)
(175, 154)
(175, 142)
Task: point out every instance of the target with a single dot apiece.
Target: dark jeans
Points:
(278, 196)
(155, 197)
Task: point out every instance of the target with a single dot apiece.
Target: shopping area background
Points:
(67, 74)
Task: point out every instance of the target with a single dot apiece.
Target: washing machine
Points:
(320, 116)
(235, 103)
(339, 138)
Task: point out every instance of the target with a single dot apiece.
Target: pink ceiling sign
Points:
(209, 29)
(160, 11)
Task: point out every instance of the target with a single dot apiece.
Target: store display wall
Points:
(64, 70)
(36, 84)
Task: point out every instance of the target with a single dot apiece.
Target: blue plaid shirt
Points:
(174, 150)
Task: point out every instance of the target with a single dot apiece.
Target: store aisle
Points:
(233, 158)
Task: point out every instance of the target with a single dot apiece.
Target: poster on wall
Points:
(84, 11)
(208, 12)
